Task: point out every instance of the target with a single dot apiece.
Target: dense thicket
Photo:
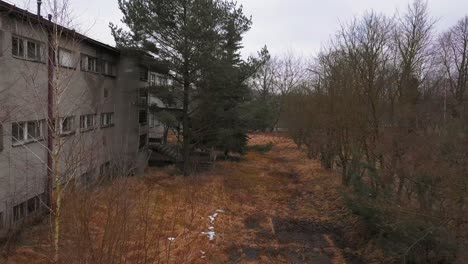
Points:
(387, 106)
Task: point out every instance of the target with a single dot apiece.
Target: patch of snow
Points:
(211, 234)
(171, 238)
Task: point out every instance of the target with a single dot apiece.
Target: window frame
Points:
(72, 58)
(26, 136)
(72, 126)
(23, 42)
(84, 121)
(108, 117)
(106, 65)
(84, 63)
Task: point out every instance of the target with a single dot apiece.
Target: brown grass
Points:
(276, 207)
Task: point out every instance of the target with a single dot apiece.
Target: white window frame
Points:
(24, 42)
(107, 119)
(26, 137)
(84, 122)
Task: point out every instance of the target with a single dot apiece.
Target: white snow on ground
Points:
(212, 234)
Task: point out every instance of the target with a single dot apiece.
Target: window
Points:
(33, 204)
(143, 74)
(65, 58)
(87, 122)
(89, 63)
(108, 68)
(142, 142)
(2, 224)
(17, 46)
(106, 92)
(22, 132)
(18, 212)
(66, 125)
(153, 79)
(107, 119)
(26, 48)
(142, 117)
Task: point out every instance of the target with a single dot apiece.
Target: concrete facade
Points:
(99, 104)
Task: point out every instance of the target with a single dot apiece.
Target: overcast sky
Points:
(299, 25)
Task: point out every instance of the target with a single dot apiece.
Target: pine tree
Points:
(200, 40)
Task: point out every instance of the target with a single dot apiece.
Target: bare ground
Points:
(273, 207)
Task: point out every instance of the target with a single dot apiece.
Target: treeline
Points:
(386, 104)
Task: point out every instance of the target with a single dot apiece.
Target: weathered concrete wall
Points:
(23, 97)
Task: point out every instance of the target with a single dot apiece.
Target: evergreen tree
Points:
(200, 40)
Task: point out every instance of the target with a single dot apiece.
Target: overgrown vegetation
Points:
(275, 207)
(386, 104)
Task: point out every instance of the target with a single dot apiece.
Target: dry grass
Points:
(276, 207)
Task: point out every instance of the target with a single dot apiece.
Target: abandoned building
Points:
(97, 93)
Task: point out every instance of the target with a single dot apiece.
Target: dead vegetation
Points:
(272, 207)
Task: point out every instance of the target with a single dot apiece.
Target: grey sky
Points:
(298, 25)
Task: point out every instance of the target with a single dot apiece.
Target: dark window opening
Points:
(142, 117)
(142, 142)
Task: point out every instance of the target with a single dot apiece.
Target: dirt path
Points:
(296, 210)
(272, 206)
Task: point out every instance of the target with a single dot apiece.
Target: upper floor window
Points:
(26, 48)
(143, 74)
(107, 119)
(89, 63)
(67, 125)
(65, 58)
(87, 122)
(142, 117)
(108, 68)
(22, 132)
(153, 79)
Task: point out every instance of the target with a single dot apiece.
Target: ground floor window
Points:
(18, 212)
(143, 139)
(33, 204)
